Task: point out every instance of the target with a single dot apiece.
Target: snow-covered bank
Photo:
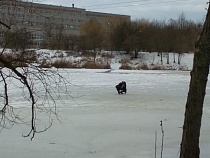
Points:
(144, 60)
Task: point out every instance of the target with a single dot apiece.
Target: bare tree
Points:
(38, 87)
(93, 33)
(119, 36)
(194, 106)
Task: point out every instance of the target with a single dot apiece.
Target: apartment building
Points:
(43, 21)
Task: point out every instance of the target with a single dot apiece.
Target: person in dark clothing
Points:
(121, 87)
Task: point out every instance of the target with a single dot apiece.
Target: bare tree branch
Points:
(5, 93)
(5, 25)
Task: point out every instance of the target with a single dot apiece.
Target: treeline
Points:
(157, 36)
(175, 35)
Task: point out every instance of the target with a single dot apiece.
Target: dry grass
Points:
(125, 64)
(19, 59)
(157, 67)
(107, 55)
(142, 66)
(125, 67)
(125, 61)
(62, 63)
(45, 64)
(93, 65)
(88, 54)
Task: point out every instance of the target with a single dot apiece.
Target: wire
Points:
(141, 4)
(115, 3)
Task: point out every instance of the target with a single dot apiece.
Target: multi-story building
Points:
(44, 20)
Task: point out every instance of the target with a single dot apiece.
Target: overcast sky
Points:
(150, 9)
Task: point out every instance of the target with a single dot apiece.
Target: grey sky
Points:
(137, 9)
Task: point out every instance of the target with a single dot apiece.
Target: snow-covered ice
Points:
(98, 123)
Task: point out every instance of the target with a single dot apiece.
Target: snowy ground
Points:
(99, 123)
(152, 60)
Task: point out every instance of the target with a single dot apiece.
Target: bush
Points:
(93, 65)
(157, 67)
(44, 64)
(107, 55)
(142, 66)
(125, 67)
(62, 63)
(19, 59)
(125, 61)
(87, 53)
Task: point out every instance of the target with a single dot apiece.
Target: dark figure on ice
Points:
(121, 87)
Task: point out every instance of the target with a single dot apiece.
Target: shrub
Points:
(142, 66)
(19, 59)
(183, 68)
(87, 53)
(125, 67)
(59, 54)
(62, 63)
(125, 61)
(45, 64)
(107, 55)
(72, 53)
(157, 67)
(93, 65)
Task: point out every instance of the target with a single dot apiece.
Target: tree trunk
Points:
(168, 58)
(136, 53)
(197, 90)
(161, 58)
(179, 58)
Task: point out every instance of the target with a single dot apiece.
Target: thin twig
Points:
(161, 125)
(155, 144)
(5, 25)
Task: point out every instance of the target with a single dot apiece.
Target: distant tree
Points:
(197, 90)
(92, 34)
(133, 41)
(120, 33)
(18, 40)
(74, 42)
(160, 43)
(138, 38)
(55, 37)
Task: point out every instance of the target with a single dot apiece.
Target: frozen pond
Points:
(96, 122)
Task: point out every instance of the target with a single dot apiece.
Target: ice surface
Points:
(98, 123)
